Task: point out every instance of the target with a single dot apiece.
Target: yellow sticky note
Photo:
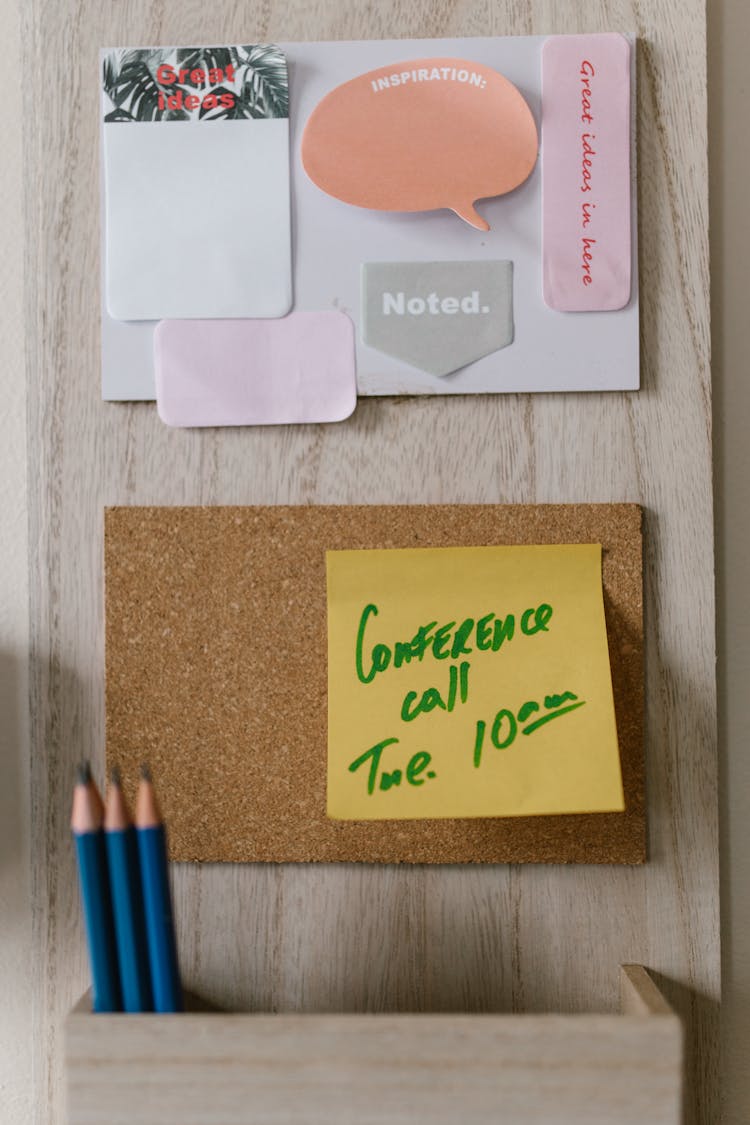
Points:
(469, 681)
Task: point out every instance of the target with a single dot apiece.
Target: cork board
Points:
(216, 675)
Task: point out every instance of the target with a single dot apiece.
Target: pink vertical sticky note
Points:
(586, 205)
(297, 368)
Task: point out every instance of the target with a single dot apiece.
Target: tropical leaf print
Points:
(265, 73)
(129, 79)
(206, 58)
(235, 83)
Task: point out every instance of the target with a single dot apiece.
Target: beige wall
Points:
(15, 911)
(729, 106)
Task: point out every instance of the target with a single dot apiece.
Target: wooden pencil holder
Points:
(213, 1068)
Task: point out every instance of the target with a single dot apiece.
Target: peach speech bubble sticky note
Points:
(421, 135)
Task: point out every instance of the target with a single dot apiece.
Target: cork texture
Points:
(216, 675)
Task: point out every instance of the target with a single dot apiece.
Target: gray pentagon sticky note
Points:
(437, 316)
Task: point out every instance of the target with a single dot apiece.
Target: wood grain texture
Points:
(377, 1070)
(335, 938)
(213, 619)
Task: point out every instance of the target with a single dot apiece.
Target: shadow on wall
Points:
(15, 893)
(14, 789)
(729, 165)
(695, 1009)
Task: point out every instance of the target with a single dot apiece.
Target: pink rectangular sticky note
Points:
(298, 368)
(586, 247)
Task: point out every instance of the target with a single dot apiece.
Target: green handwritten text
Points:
(444, 642)
(505, 724)
(458, 686)
(415, 767)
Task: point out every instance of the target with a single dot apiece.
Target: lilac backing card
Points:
(297, 368)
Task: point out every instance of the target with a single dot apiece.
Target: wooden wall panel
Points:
(336, 938)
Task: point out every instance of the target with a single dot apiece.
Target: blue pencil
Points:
(86, 823)
(127, 901)
(157, 900)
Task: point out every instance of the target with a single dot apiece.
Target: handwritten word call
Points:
(588, 152)
(449, 642)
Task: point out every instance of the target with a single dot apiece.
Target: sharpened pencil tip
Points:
(147, 814)
(115, 776)
(87, 804)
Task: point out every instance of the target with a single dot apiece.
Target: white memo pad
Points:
(551, 351)
(218, 243)
(195, 147)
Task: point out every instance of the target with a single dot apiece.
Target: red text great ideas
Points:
(167, 75)
(588, 152)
